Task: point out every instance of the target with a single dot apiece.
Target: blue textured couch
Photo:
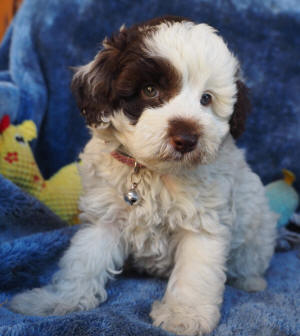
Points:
(49, 36)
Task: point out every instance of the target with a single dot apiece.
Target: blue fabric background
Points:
(49, 36)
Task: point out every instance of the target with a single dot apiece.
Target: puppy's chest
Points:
(168, 206)
(165, 203)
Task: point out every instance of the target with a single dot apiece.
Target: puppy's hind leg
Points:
(248, 263)
(254, 240)
(95, 254)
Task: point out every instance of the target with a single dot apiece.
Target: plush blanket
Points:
(49, 36)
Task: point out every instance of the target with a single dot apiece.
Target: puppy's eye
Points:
(206, 99)
(150, 91)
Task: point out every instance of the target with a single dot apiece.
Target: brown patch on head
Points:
(115, 79)
(241, 110)
(183, 134)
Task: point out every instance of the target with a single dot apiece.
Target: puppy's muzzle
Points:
(183, 135)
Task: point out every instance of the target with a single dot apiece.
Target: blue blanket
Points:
(49, 36)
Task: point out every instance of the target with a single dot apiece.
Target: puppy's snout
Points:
(183, 134)
(184, 143)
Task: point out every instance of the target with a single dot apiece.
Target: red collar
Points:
(128, 160)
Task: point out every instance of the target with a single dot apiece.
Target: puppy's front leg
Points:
(194, 293)
(95, 254)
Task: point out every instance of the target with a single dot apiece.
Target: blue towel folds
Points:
(46, 38)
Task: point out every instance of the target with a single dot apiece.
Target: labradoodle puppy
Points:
(164, 182)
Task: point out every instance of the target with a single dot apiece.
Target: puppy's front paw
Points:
(184, 320)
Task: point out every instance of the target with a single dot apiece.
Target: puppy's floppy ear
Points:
(240, 111)
(92, 85)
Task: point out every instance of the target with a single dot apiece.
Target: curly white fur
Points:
(194, 222)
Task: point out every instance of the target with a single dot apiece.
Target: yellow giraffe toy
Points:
(60, 193)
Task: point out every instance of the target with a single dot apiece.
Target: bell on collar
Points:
(132, 197)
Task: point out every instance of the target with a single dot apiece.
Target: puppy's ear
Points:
(92, 86)
(240, 111)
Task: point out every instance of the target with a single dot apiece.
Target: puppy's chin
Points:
(175, 162)
(189, 159)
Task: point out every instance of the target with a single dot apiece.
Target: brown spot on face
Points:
(156, 72)
(118, 74)
(183, 134)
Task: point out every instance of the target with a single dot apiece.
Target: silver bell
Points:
(132, 197)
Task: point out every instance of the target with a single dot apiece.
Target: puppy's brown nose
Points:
(183, 134)
(184, 143)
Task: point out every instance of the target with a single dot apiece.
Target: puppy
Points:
(164, 182)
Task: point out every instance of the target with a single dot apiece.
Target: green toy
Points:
(283, 198)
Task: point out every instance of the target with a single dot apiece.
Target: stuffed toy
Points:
(60, 193)
(284, 200)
